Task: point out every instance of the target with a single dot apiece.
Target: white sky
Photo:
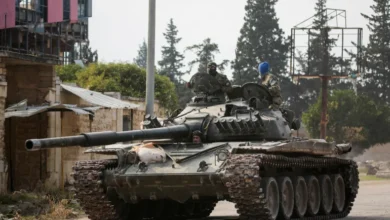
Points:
(119, 26)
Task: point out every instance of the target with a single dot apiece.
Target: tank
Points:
(230, 147)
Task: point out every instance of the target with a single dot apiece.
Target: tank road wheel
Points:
(301, 197)
(286, 191)
(339, 193)
(271, 189)
(326, 194)
(314, 195)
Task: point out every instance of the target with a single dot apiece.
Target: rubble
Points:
(380, 169)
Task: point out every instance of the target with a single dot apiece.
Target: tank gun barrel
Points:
(108, 137)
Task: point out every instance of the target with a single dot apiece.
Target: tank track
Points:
(243, 179)
(100, 205)
(90, 191)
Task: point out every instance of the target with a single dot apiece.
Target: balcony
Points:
(34, 30)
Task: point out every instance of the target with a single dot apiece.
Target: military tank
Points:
(234, 148)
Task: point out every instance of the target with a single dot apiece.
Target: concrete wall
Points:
(3, 161)
(139, 113)
(31, 82)
(72, 124)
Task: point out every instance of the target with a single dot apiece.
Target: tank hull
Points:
(245, 178)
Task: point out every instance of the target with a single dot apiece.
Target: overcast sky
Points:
(119, 26)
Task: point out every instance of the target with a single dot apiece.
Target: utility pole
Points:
(150, 60)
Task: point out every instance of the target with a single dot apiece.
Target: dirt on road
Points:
(372, 203)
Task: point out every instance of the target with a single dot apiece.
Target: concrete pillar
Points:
(3, 157)
(54, 160)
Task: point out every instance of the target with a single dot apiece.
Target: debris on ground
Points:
(23, 205)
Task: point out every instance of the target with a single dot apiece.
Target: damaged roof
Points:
(22, 110)
(98, 98)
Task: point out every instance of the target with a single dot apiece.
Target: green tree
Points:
(68, 73)
(142, 57)
(205, 53)
(171, 62)
(318, 60)
(377, 53)
(351, 118)
(261, 40)
(129, 80)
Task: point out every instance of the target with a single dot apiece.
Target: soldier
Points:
(272, 83)
(224, 82)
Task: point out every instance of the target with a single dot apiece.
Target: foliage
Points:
(205, 54)
(370, 178)
(318, 59)
(261, 40)
(128, 79)
(40, 204)
(86, 54)
(376, 55)
(141, 59)
(68, 73)
(356, 119)
(171, 62)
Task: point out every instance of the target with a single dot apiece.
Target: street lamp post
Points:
(150, 60)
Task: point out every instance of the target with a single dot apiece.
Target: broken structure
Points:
(35, 35)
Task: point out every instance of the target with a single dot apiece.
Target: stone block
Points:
(3, 71)
(3, 89)
(3, 166)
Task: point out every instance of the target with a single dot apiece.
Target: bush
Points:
(128, 79)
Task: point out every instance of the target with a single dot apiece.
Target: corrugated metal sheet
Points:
(99, 99)
(33, 110)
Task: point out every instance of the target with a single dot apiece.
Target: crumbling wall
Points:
(31, 82)
(139, 113)
(3, 160)
(72, 124)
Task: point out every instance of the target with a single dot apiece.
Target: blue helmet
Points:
(263, 68)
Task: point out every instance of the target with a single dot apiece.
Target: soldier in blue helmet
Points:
(272, 83)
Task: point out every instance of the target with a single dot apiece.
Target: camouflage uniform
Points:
(224, 82)
(272, 83)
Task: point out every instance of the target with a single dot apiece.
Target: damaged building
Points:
(35, 35)
(85, 111)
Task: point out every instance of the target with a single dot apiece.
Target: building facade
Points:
(35, 35)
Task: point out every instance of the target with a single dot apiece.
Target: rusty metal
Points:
(324, 107)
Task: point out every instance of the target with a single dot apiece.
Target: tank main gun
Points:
(176, 132)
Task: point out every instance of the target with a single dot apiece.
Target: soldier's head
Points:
(196, 137)
(212, 69)
(263, 69)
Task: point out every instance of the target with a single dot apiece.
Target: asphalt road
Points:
(372, 203)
